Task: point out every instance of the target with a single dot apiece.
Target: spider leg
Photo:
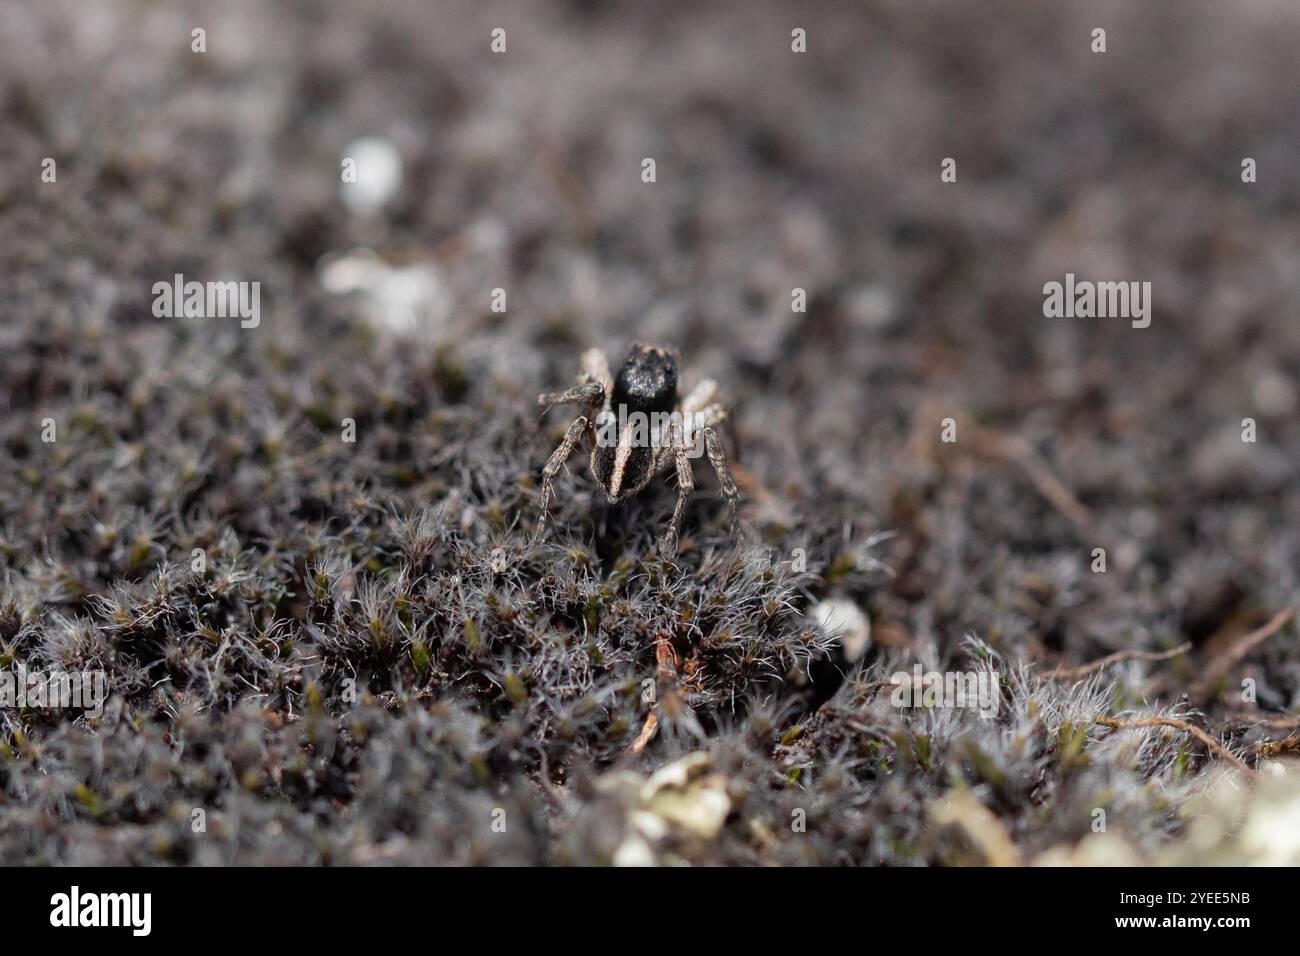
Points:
(719, 463)
(590, 393)
(556, 462)
(701, 397)
(596, 367)
(685, 485)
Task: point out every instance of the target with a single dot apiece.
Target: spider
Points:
(638, 428)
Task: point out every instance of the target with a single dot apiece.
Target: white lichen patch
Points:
(396, 299)
(845, 622)
(686, 797)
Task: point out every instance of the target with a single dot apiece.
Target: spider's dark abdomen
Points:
(647, 382)
(622, 471)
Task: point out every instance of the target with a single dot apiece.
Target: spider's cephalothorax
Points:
(638, 428)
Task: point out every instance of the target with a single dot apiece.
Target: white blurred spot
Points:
(378, 174)
(1275, 394)
(872, 307)
(397, 299)
(687, 793)
(1271, 835)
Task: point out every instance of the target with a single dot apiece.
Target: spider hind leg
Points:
(572, 436)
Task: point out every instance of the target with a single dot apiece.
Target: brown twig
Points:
(1013, 448)
(647, 733)
(1074, 673)
(1223, 752)
(1242, 724)
(1275, 748)
(667, 681)
(1221, 664)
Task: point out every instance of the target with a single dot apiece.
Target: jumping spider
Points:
(643, 428)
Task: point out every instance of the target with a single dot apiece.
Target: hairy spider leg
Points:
(558, 457)
(685, 485)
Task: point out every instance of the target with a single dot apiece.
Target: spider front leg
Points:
(595, 383)
(555, 463)
(588, 393)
